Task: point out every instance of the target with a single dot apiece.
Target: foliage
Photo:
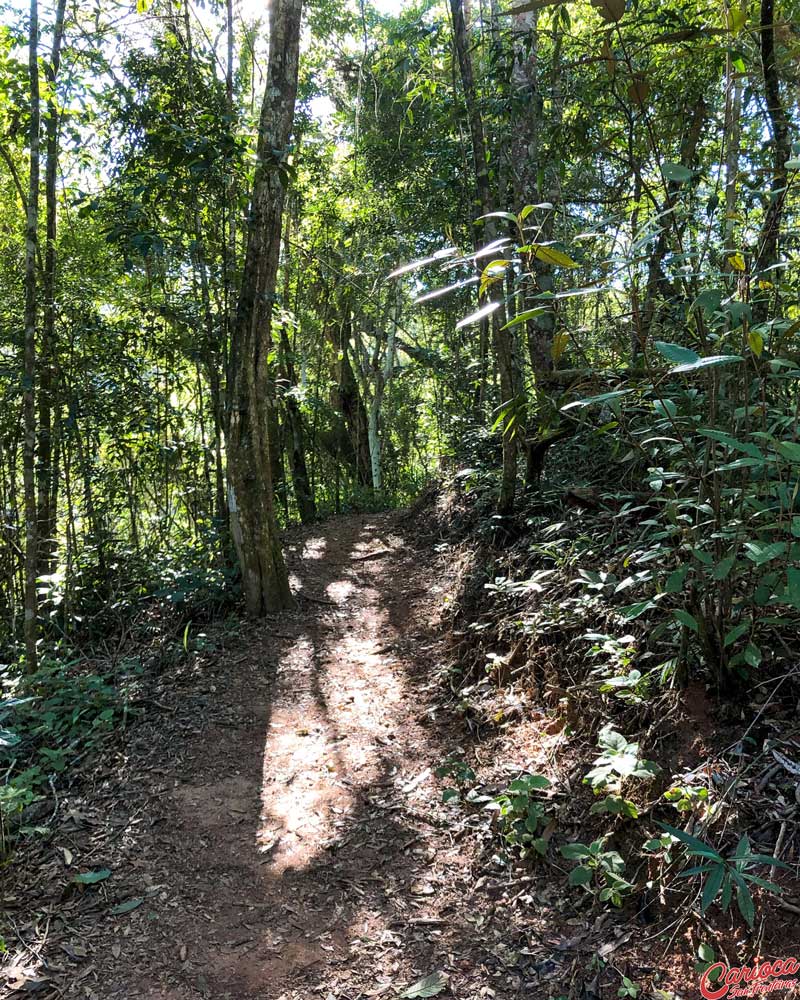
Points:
(721, 875)
(599, 872)
(459, 771)
(522, 814)
(65, 714)
(619, 761)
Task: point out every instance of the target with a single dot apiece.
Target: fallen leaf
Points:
(91, 878)
(430, 986)
(127, 906)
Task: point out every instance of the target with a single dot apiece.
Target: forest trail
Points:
(286, 844)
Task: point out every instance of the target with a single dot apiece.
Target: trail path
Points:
(285, 836)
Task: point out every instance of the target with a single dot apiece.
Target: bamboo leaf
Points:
(476, 317)
(523, 317)
(549, 255)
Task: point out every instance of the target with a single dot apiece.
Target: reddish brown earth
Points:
(277, 816)
(274, 827)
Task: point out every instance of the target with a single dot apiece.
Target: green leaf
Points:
(789, 449)
(604, 397)
(127, 906)
(742, 463)
(763, 859)
(723, 567)
(738, 312)
(526, 211)
(430, 986)
(727, 890)
(709, 300)
(686, 619)
(632, 611)
(537, 781)
(696, 846)
(508, 216)
(8, 739)
(793, 164)
(761, 553)
(481, 314)
(763, 883)
(735, 633)
(675, 580)
(756, 342)
(710, 362)
(705, 952)
(752, 655)
(746, 446)
(676, 172)
(676, 353)
(712, 887)
(91, 878)
(575, 851)
(580, 875)
(549, 255)
(696, 870)
(745, 903)
(523, 317)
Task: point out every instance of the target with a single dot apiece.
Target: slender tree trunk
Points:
(29, 378)
(47, 483)
(733, 131)
(296, 448)
(503, 339)
(250, 491)
(346, 401)
(379, 366)
(781, 150)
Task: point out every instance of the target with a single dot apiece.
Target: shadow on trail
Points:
(345, 856)
(291, 845)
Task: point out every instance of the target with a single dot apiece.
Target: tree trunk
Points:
(781, 150)
(250, 491)
(346, 400)
(29, 378)
(503, 339)
(733, 132)
(47, 483)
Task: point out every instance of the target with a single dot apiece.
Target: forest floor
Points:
(272, 828)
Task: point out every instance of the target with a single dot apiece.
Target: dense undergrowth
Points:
(104, 647)
(660, 780)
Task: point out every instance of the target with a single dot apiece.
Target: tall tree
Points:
(510, 386)
(781, 146)
(29, 367)
(250, 489)
(47, 481)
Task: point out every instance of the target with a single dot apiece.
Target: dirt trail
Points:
(286, 840)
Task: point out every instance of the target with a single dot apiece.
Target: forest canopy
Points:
(268, 281)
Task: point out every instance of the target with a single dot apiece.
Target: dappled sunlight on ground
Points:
(329, 733)
(314, 548)
(339, 590)
(287, 840)
(21, 973)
